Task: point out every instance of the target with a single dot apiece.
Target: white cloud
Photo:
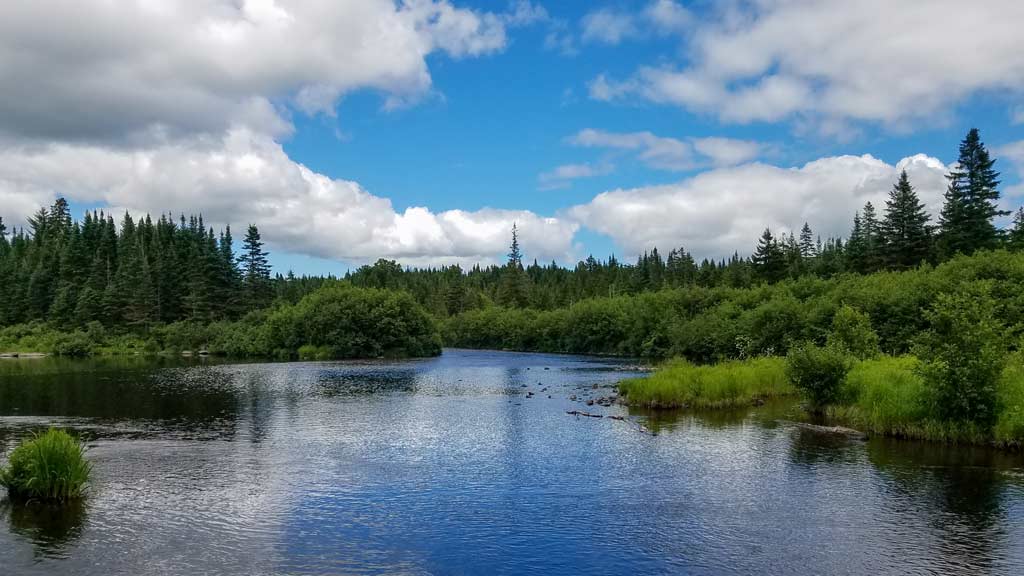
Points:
(671, 153)
(145, 71)
(608, 26)
(563, 176)
(179, 106)
(245, 177)
(668, 16)
(871, 60)
(1013, 154)
(724, 210)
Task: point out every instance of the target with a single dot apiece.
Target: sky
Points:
(421, 130)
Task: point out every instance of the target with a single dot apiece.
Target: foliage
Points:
(964, 352)
(49, 466)
(818, 372)
(851, 330)
(736, 383)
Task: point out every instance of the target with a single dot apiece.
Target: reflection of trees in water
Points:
(811, 447)
(662, 420)
(958, 489)
(118, 390)
(50, 528)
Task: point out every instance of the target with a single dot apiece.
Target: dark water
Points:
(445, 466)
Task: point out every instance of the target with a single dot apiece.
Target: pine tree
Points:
(513, 289)
(768, 259)
(1015, 238)
(971, 201)
(255, 270)
(808, 249)
(904, 230)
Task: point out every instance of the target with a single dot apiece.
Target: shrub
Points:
(851, 329)
(819, 372)
(72, 344)
(50, 466)
(964, 353)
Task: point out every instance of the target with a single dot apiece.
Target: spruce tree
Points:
(1015, 238)
(904, 230)
(808, 249)
(255, 270)
(512, 289)
(971, 201)
(768, 259)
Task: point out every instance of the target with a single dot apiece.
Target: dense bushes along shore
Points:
(334, 321)
(712, 324)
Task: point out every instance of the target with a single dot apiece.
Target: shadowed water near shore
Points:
(462, 464)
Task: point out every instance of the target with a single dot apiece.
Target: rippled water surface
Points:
(451, 466)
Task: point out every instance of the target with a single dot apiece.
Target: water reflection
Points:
(958, 490)
(52, 529)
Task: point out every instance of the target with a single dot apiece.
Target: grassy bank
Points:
(680, 384)
(884, 395)
(889, 396)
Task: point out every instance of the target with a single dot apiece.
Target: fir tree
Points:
(768, 259)
(808, 248)
(255, 270)
(513, 290)
(904, 230)
(1015, 238)
(971, 201)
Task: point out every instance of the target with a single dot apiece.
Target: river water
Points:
(451, 466)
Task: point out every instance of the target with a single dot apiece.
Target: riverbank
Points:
(883, 396)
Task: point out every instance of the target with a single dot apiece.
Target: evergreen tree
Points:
(1015, 238)
(904, 230)
(808, 249)
(971, 201)
(513, 290)
(769, 259)
(255, 270)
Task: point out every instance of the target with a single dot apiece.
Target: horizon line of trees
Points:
(149, 272)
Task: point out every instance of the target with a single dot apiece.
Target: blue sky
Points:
(599, 127)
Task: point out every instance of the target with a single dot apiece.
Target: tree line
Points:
(144, 273)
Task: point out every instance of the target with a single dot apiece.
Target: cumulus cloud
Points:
(246, 177)
(724, 210)
(671, 153)
(1013, 153)
(180, 105)
(144, 71)
(873, 60)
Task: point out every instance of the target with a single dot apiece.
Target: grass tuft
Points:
(48, 467)
(679, 384)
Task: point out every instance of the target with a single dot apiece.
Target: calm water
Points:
(446, 466)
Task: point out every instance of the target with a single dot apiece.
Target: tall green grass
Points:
(679, 383)
(48, 467)
(888, 396)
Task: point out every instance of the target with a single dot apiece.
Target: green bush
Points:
(851, 329)
(72, 344)
(963, 354)
(819, 372)
(49, 467)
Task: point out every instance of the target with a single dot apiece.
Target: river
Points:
(469, 464)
